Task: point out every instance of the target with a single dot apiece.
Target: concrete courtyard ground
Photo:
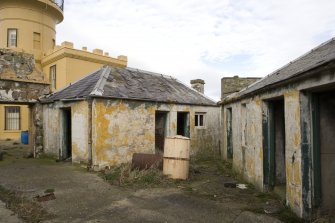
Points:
(83, 196)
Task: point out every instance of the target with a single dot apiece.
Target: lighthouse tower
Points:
(30, 25)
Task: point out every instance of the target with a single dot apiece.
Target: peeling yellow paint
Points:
(293, 93)
(296, 139)
(258, 101)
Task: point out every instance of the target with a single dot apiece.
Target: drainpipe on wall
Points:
(90, 112)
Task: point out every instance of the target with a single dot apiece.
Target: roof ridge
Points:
(150, 72)
(300, 57)
(99, 87)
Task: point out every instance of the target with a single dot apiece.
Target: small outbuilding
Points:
(107, 116)
(280, 132)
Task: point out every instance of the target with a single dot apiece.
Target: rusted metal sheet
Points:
(145, 161)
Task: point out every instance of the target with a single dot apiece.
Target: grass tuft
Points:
(27, 210)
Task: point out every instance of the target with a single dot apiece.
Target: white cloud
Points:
(196, 39)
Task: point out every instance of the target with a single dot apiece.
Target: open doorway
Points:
(183, 124)
(274, 148)
(160, 131)
(323, 108)
(229, 124)
(67, 142)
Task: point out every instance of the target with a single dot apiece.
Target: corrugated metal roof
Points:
(128, 83)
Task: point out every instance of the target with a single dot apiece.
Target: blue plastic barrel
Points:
(25, 137)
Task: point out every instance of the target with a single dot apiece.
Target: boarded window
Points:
(199, 119)
(12, 118)
(12, 38)
(53, 77)
(37, 41)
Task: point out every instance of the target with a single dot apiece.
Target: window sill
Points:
(12, 131)
(200, 127)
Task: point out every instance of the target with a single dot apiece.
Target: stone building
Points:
(280, 132)
(29, 27)
(112, 113)
(234, 84)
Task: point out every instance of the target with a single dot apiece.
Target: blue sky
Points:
(193, 39)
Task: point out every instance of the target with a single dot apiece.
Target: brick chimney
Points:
(198, 85)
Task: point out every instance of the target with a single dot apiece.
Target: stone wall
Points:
(19, 66)
(230, 85)
(22, 83)
(21, 92)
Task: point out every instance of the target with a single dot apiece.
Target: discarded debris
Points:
(242, 186)
(144, 161)
(231, 184)
(47, 197)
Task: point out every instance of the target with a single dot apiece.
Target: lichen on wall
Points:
(124, 127)
(293, 150)
(121, 129)
(248, 159)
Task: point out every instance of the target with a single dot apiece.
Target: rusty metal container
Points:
(144, 161)
(176, 157)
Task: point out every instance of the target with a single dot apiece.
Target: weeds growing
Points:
(124, 175)
(27, 210)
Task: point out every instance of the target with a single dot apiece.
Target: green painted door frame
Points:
(229, 123)
(316, 159)
(269, 147)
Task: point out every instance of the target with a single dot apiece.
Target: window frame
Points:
(37, 43)
(53, 77)
(197, 120)
(15, 119)
(9, 39)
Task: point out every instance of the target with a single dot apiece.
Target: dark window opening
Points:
(183, 126)
(160, 131)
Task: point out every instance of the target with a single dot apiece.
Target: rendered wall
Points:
(248, 161)
(121, 128)
(54, 132)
